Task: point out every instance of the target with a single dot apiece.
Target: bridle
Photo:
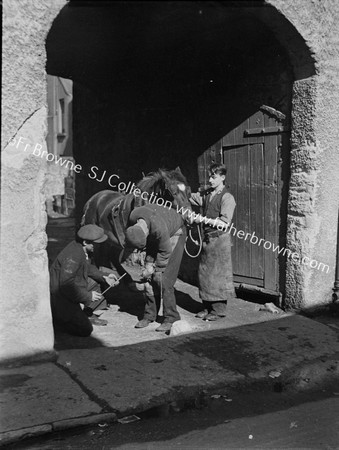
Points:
(189, 236)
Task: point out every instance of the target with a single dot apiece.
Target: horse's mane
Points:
(151, 179)
(160, 177)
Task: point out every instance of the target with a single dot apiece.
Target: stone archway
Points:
(168, 98)
(306, 36)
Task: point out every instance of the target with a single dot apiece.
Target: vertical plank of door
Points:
(280, 183)
(235, 176)
(212, 153)
(256, 121)
(201, 169)
(228, 139)
(206, 164)
(271, 207)
(230, 159)
(218, 151)
(257, 208)
(239, 137)
(243, 216)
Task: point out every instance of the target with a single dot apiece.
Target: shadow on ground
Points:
(126, 307)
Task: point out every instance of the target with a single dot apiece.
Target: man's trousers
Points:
(163, 284)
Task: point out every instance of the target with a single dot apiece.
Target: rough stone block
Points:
(180, 327)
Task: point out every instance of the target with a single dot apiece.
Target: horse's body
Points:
(111, 209)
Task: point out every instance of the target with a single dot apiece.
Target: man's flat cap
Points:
(92, 233)
(136, 237)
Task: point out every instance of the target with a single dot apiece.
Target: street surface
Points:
(231, 420)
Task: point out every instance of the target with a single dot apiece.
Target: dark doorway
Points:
(156, 83)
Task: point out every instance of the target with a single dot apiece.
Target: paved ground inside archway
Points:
(126, 306)
(122, 315)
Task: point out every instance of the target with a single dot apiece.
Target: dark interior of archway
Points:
(156, 83)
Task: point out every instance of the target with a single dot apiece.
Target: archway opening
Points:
(157, 83)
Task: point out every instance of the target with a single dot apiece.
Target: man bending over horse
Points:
(161, 231)
(74, 281)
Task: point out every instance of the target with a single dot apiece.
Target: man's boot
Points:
(143, 323)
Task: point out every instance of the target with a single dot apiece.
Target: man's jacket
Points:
(163, 223)
(69, 279)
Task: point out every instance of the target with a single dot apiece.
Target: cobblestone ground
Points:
(125, 306)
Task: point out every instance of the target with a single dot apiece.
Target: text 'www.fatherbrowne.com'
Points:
(253, 238)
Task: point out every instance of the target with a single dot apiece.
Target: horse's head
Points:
(170, 185)
(176, 186)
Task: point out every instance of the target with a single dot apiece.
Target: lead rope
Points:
(198, 243)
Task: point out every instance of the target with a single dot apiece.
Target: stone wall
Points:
(308, 34)
(314, 189)
(26, 325)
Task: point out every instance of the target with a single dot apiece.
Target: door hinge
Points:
(267, 130)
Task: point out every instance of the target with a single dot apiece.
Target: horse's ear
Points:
(162, 175)
(177, 169)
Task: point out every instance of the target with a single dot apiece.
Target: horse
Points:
(111, 209)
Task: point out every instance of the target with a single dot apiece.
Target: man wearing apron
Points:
(215, 268)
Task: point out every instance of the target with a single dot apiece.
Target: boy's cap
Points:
(92, 233)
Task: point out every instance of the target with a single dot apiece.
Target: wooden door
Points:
(253, 155)
(246, 180)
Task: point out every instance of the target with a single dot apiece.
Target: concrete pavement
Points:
(121, 370)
